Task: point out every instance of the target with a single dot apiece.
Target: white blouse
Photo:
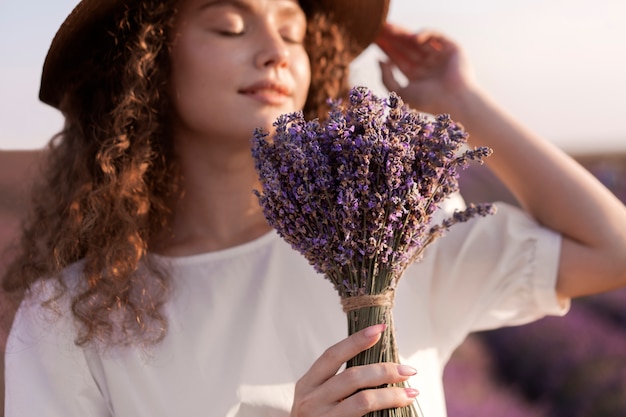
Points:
(247, 322)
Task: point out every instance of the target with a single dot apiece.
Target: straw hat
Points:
(82, 29)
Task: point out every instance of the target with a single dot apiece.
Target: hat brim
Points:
(361, 21)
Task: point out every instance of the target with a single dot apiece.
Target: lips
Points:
(267, 91)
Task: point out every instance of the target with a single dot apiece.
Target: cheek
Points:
(182, 75)
(302, 76)
(196, 71)
(182, 92)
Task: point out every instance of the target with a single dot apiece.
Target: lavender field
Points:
(573, 366)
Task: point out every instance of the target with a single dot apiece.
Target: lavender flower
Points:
(356, 195)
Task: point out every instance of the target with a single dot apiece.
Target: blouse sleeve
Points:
(493, 272)
(46, 373)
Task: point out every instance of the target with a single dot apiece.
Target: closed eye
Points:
(293, 34)
(231, 33)
(292, 40)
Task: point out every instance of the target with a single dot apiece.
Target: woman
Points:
(153, 285)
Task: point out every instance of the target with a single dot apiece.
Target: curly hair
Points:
(111, 176)
(330, 59)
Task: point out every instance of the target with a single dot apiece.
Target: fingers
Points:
(391, 33)
(404, 57)
(334, 357)
(370, 400)
(408, 50)
(324, 392)
(349, 393)
(387, 76)
(352, 380)
(435, 68)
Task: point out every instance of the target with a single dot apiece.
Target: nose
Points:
(273, 50)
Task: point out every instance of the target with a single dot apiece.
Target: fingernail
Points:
(406, 370)
(411, 392)
(374, 330)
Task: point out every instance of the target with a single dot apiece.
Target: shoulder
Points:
(56, 291)
(47, 305)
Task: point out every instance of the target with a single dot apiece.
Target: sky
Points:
(557, 65)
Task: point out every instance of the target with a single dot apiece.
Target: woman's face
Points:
(237, 65)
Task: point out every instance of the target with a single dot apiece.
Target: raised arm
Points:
(552, 187)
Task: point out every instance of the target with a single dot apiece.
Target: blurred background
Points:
(574, 366)
(558, 66)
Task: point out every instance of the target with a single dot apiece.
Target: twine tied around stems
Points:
(362, 301)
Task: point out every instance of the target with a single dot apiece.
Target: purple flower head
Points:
(355, 194)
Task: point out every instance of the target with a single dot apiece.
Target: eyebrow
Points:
(247, 6)
(237, 3)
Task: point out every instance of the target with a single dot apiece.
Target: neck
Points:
(217, 208)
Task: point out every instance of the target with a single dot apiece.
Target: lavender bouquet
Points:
(355, 195)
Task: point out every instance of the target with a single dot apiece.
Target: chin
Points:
(266, 121)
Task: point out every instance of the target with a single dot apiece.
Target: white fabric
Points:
(247, 322)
